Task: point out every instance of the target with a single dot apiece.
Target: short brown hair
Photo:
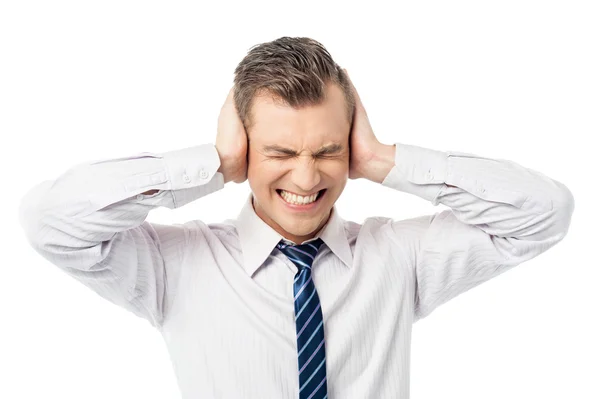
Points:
(295, 70)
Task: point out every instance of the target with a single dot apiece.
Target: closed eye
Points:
(322, 156)
(330, 151)
(279, 157)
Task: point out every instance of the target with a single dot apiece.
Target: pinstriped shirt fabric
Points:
(220, 293)
(309, 320)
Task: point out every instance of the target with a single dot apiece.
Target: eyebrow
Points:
(327, 150)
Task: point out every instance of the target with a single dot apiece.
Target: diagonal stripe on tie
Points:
(310, 334)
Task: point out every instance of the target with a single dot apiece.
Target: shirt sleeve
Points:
(501, 214)
(90, 222)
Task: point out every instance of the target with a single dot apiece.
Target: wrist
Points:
(382, 162)
(225, 167)
(227, 175)
(233, 170)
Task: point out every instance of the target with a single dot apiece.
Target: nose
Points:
(306, 175)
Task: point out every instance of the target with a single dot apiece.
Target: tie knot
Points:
(302, 255)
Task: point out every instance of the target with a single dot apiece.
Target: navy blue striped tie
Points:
(310, 334)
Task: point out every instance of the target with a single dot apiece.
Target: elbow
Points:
(563, 207)
(567, 201)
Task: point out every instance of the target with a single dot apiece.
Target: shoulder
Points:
(198, 229)
(389, 224)
(385, 230)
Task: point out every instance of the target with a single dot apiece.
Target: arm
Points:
(501, 214)
(90, 222)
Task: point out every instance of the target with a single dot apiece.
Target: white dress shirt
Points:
(222, 296)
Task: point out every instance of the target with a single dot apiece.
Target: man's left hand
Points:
(369, 158)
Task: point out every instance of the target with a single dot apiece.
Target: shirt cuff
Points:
(419, 171)
(192, 172)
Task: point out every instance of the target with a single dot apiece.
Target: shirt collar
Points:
(258, 239)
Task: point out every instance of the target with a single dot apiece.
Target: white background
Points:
(518, 80)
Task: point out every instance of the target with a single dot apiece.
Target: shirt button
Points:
(429, 176)
(482, 190)
(203, 174)
(140, 197)
(186, 178)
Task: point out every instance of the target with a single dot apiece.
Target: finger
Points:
(348, 76)
(359, 107)
(352, 85)
(229, 98)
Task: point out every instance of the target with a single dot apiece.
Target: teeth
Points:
(298, 199)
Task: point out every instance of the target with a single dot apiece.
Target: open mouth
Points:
(318, 198)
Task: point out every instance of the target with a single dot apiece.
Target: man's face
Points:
(316, 158)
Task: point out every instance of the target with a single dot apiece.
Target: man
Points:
(289, 300)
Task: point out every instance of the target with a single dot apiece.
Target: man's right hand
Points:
(232, 143)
